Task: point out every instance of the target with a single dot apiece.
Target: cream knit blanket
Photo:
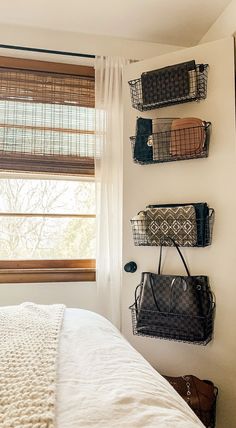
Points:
(29, 335)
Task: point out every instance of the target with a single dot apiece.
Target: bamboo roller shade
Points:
(46, 118)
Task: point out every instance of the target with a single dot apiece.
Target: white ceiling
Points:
(179, 22)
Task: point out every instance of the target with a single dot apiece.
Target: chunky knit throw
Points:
(29, 335)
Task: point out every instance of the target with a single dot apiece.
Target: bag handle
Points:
(181, 255)
(136, 297)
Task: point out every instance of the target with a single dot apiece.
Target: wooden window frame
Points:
(31, 271)
(51, 67)
(41, 271)
(21, 271)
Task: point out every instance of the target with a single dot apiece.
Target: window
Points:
(47, 228)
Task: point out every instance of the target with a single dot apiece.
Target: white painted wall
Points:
(77, 42)
(212, 180)
(72, 294)
(79, 294)
(224, 26)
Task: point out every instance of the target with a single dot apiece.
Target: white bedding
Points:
(103, 382)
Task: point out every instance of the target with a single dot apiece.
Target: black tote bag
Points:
(178, 307)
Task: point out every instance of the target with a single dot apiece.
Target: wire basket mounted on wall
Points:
(189, 225)
(175, 84)
(187, 141)
(174, 307)
(164, 325)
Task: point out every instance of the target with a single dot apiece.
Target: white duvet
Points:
(103, 382)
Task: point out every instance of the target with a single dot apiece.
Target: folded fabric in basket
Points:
(139, 228)
(178, 223)
(143, 151)
(187, 136)
(202, 214)
(193, 88)
(161, 138)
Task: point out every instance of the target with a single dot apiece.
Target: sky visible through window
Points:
(37, 238)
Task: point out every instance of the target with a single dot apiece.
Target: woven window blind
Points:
(46, 121)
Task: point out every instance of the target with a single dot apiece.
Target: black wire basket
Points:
(176, 84)
(173, 145)
(197, 330)
(185, 232)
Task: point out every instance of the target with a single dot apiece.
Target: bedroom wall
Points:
(213, 180)
(72, 294)
(77, 42)
(224, 26)
(81, 295)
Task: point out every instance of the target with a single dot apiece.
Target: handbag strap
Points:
(181, 255)
(136, 297)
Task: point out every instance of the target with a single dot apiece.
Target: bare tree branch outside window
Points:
(47, 219)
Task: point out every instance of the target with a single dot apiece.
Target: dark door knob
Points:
(130, 267)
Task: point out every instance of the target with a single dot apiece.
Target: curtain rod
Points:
(24, 48)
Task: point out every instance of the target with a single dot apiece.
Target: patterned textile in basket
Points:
(178, 223)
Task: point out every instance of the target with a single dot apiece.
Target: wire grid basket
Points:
(174, 85)
(182, 231)
(172, 145)
(172, 326)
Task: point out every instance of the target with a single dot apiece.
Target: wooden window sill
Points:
(47, 271)
(46, 275)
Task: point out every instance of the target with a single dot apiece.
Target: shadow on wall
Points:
(72, 294)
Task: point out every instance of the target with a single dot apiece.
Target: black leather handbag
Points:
(174, 307)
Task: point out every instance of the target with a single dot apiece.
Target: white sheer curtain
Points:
(109, 182)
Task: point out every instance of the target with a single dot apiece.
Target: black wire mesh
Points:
(172, 145)
(172, 326)
(176, 84)
(186, 232)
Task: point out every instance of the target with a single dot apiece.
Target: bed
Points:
(71, 368)
(104, 382)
